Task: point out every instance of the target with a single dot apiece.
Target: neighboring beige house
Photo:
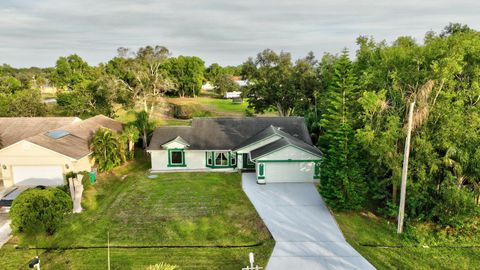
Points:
(41, 150)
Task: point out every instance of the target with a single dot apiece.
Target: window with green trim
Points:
(221, 159)
(209, 157)
(316, 172)
(176, 157)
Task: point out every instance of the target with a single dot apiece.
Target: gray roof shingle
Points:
(15, 129)
(76, 143)
(228, 133)
(278, 144)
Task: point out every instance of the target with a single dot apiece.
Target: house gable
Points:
(288, 153)
(258, 144)
(177, 143)
(25, 149)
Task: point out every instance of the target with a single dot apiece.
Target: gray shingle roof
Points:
(76, 143)
(228, 133)
(265, 133)
(15, 129)
(278, 144)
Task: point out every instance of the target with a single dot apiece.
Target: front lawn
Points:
(173, 212)
(392, 251)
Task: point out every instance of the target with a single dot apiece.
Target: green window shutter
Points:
(209, 159)
(316, 172)
(233, 159)
(261, 169)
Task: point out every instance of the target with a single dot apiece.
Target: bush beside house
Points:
(37, 211)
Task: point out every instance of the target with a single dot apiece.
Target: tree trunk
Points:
(151, 109)
(130, 145)
(394, 192)
(144, 139)
(281, 111)
(145, 106)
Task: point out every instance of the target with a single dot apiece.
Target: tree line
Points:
(357, 109)
(130, 78)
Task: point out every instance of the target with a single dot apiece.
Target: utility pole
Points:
(406, 154)
(108, 249)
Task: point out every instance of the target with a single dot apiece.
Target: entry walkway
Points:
(306, 234)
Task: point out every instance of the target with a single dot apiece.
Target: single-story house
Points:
(41, 150)
(279, 149)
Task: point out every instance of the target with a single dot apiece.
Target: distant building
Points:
(46, 89)
(207, 87)
(50, 101)
(239, 81)
(234, 94)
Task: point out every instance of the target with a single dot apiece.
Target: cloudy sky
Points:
(37, 32)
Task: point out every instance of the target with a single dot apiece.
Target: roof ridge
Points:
(245, 117)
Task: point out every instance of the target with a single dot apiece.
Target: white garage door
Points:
(289, 172)
(37, 175)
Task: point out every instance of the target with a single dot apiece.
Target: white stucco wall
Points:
(240, 160)
(25, 153)
(194, 160)
(289, 164)
(276, 172)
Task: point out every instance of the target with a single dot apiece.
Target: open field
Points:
(204, 105)
(206, 210)
(363, 232)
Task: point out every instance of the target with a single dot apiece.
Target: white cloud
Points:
(37, 32)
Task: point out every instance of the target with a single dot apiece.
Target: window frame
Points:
(170, 158)
(226, 154)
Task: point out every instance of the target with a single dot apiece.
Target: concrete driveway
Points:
(5, 230)
(306, 234)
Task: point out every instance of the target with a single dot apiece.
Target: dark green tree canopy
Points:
(37, 211)
(276, 83)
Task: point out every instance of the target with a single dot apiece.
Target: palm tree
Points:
(130, 134)
(108, 149)
(144, 125)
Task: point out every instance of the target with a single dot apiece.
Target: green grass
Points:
(175, 209)
(129, 116)
(218, 107)
(370, 230)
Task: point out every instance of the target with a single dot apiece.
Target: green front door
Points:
(247, 163)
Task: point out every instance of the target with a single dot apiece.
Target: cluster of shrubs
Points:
(188, 111)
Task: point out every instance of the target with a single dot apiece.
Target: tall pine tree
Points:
(342, 183)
